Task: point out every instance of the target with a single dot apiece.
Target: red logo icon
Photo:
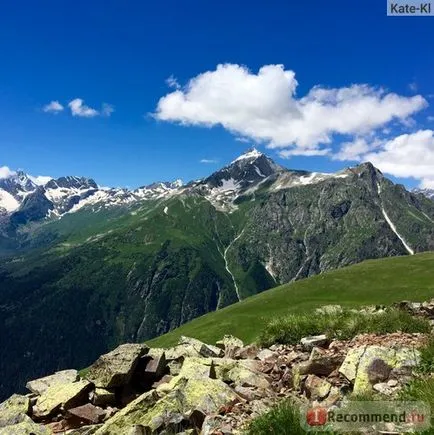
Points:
(316, 416)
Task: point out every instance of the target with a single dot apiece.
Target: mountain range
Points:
(84, 268)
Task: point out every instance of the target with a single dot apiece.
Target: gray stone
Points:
(66, 396)
(265, 354)
(309, 343)
(39, 386)
(115, 368)
(103, 397)
(204, 349)
(13, 410)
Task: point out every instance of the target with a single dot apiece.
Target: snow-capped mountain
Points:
(429, 193)
(22, 195)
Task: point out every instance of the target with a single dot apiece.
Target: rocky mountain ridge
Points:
(135, 271)
(197, 388)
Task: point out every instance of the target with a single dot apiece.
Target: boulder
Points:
(230, 345)
(229, 341)
(360, 368)
(133, 414)
(266, 354)
(202, 394)
(247, 352)
(66, 396)
(13, 410)
(180, 352)
(203, 349)
(115, 368)
(25, 427)
(88, 414)
(316, 388)
(39, 386)
(241, 373)
(156, 366)
(322, 364)
(102, 397)
(309, 343)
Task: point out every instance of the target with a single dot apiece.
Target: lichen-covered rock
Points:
(103, 397)
(25, 427)
(114, 369)
(14, 410)
(129, 416)
(39, 386)
(84, 430)
(66, 396)
(230, 345)
(240, 372)
(358, 362)
(203, 349)
(316, 388)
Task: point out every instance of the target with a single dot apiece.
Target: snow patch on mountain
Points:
(8, 202)
(391, 224)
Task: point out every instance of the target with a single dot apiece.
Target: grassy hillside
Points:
(371, 282)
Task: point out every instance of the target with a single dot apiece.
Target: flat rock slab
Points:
(87, 413)
(39, 386)
(66, 396)
(115, 368)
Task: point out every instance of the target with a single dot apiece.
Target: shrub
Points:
(343, 325)
(283, 419)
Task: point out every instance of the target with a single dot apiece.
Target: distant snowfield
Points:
(8, 202)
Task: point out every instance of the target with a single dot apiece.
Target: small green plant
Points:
(427, 357)
(421, 389)
(343, 325)
(283, 419)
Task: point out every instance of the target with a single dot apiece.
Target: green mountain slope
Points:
(96, 278)
(374, 282)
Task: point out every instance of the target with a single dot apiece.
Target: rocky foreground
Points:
(197, 388)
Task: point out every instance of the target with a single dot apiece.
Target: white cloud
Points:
(40, 180)
(209, 161)
(5, 172)
(78, 108)
(53, 107)
(172, 82)
(430, 118)
(107, 109)
(286, 154)
(264, 107)
(408, 155)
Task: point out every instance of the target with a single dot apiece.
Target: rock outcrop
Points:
(197, 388)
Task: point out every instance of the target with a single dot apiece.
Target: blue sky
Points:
(122, 53)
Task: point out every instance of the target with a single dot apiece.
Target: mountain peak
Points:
(250, 154)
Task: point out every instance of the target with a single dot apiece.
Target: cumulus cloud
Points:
(209, 161)
(53, 107)
(78, 108)
(408, 155)
(264, 107)
(5, 172)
